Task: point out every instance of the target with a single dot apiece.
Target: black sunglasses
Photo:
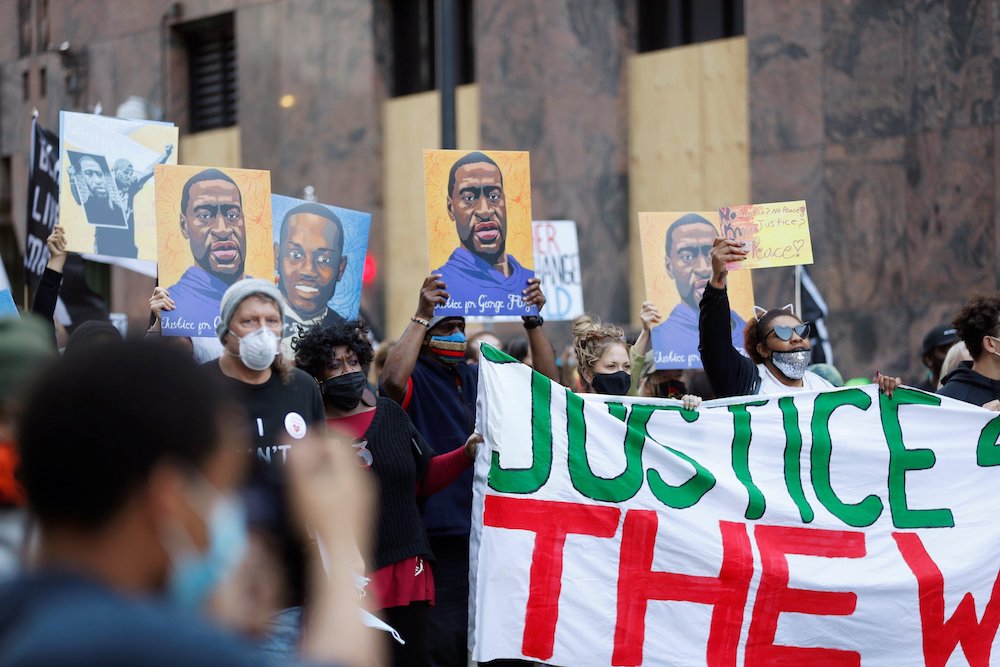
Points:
(785, 333)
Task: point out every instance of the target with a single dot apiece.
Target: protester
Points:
(640, 352)
(401, 461)
(520, 350)
(957, 353)
(776, 341)
(283, 402)
(378, 362)
(937, 342)
(978, 381)
(133, 540)
(476, 340)
(424, 373)
(24, 352)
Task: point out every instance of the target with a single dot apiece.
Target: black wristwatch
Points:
(532, 321)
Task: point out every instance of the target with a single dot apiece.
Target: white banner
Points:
(835, 528)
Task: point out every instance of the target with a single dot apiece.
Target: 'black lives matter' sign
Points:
(43, 200)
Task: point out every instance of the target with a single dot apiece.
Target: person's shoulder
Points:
(301, 379)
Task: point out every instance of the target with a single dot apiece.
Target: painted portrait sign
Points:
(319, 257)
(677, 265)
(479, 229)
(107, 204)
(213, 228)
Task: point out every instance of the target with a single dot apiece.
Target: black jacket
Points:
(967, 385)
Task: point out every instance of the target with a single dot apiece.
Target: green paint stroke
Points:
(793, 457)
(529, 480)
(742, 435)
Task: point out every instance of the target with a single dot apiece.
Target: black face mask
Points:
(344, 391)
(612, 384)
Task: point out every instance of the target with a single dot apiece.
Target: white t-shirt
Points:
(771, 385)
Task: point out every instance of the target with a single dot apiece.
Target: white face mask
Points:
(258, 348)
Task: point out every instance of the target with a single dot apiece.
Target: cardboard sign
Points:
(773, 234)
(319, 259)
(557, 263)
(835, 528)
(106, 185)
(43, 200)
(479, 229)
(677, 265)
(7, 307)
(213, 228)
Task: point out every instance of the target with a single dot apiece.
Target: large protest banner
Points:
(43, 200)
(835, 528)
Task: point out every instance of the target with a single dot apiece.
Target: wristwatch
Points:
(532, 321)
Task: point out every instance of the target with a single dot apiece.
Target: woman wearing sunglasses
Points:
(404, 468)
(776, 341)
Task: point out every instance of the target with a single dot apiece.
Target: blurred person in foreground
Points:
(978, 381)
(25, 350)
(132, 542)
(404, 467)
(777, 342)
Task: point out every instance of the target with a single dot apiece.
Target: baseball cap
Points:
(943, 334)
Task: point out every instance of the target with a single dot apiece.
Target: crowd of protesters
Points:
(171, 503)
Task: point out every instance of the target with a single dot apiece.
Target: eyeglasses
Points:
(785, 333)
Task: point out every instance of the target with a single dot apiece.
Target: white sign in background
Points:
(795, 583)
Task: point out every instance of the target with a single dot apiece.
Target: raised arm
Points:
(47, 293)
(542, 355)
(729, 372)
(141, 179)
(403, 356)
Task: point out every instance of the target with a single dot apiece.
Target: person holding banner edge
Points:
(777, 342)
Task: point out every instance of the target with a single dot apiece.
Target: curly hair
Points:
(591, 339)
(979, 316)
(757, 328)
(314, 347)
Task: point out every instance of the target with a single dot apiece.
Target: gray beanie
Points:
(239, 291)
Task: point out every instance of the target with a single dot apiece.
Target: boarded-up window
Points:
(211, 54)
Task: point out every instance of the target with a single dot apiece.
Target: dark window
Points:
(42, 21)
(26, 85)
(414, 34)
(667, 23)
(23, 28)
(211, 52)
(42, 76)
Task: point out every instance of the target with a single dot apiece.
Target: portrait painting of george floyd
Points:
(677, 265)
(479, 230)
(319, 258)
(213, 228)
(107, 204)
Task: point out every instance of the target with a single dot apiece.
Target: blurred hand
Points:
(993, 405)
(691, 402)
(650, 315)
(160, 301)
(432, 293)
(886, 384)
(472, 445)
(533, 293)
(723, 252)
(56, 244)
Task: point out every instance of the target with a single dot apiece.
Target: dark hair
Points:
(313, 348)
(686, 219)
(756, 331)
(518, 348)
(96, 425)
(312, 208)
(474, 157)
(979, 316)
(211, 174)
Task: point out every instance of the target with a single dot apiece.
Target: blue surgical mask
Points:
(449, 349)
(195, 575)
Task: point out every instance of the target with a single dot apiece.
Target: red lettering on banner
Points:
(551, 522)
(774, 596)
(638, 584)
(941, 637)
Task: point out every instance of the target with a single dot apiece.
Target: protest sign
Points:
(479, 229)
(773, 234)
(213, 228)
(677, 264)
(7, 307)
(834, 528)
(106, 187)
(319, 258)
(557, 263)
(43, 200)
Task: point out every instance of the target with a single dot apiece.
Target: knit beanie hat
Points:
(239, 291)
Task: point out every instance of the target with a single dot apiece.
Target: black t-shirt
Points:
(51, 619)
(280, 412)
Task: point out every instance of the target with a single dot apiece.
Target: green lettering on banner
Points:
(793, 457)
(529, 480)
(865, 512)
(987, 451)
(902, 459)
(690, 492)
(742, 435)
(615, 489)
